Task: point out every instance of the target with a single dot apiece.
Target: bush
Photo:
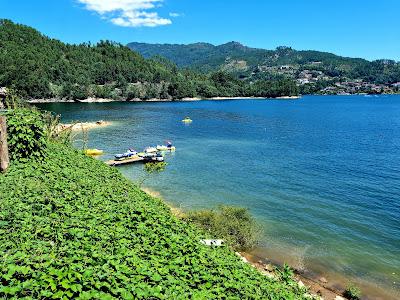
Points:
(233, 224)
(26, 134)
(352, 292)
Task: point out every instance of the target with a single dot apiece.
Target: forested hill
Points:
(319, 69)
(36, 66)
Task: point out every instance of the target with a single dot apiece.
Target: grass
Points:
(71, 227)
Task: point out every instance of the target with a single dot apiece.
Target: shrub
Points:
(233, 224)
(26, 134)
(352, 292)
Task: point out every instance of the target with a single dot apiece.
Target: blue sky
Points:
(356, 28)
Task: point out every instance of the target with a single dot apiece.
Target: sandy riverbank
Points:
(83, 125)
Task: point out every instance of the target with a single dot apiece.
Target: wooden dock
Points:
(116, 163)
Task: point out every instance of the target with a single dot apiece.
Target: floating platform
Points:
(132, 160)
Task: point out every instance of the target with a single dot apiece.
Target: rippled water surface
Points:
(321, 174)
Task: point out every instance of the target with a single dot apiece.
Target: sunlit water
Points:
(321, 174)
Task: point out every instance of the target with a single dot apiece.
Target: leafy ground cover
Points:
(71, 227)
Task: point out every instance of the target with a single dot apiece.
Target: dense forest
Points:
(38, 67)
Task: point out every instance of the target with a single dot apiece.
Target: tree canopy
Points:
(36, 67)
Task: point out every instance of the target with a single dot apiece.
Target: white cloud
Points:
(174, 15)
(128, 13)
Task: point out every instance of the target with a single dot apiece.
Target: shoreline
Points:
(264, 266)
(325, 284)
(152, 100)
(83, 125)
(103, 100)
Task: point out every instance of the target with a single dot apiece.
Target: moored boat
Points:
(165, 148)
(187, 120)
(150, 150)
(130, 153)
(93, 152)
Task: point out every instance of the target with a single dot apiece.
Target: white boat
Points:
(165, 148)
(150, 150)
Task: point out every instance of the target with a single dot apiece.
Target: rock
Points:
(269, 267)
(244, 259)
(301, 284)
(323, 280)
(260, 262)
(339, 298)
(268, 274)
(3, 96)
(3, 92)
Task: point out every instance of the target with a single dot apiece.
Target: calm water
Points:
(322, 174)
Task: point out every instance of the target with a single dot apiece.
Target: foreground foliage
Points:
(26, 134)
(71, 227)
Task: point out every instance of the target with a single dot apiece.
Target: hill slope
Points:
(37, 66)
(307, 67)
(73, 228)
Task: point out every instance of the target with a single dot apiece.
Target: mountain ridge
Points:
(315, 70)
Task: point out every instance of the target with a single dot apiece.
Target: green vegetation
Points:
(38, 67)
(208, 58)
(352, 292)
(151, 168)
(313, 70)
(26, 134)
(71, 227)
(235, 225)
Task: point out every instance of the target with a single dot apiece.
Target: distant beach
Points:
(102, 100)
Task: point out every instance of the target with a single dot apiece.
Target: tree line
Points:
(38, 67)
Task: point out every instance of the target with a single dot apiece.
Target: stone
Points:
(339, 298)
(268, 274)
(323, 280)
(301, 284)
(269, 267)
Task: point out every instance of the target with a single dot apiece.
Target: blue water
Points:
(321, 174)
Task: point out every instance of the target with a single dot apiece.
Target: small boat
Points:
(155, 157)
(159, 157)
(150, 150)
(187, 120)
(130, 153)
(93, 152)
(165, 148)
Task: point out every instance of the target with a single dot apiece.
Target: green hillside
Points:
(306, 67)
(36, 66)
(73, 228)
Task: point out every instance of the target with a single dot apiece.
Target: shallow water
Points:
(321, 174)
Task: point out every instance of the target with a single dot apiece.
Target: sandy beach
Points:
(84, 125)
(102, 100)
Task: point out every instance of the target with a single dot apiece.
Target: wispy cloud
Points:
(175, 15)
(128, 13)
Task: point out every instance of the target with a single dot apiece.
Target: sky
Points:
(356, 28)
